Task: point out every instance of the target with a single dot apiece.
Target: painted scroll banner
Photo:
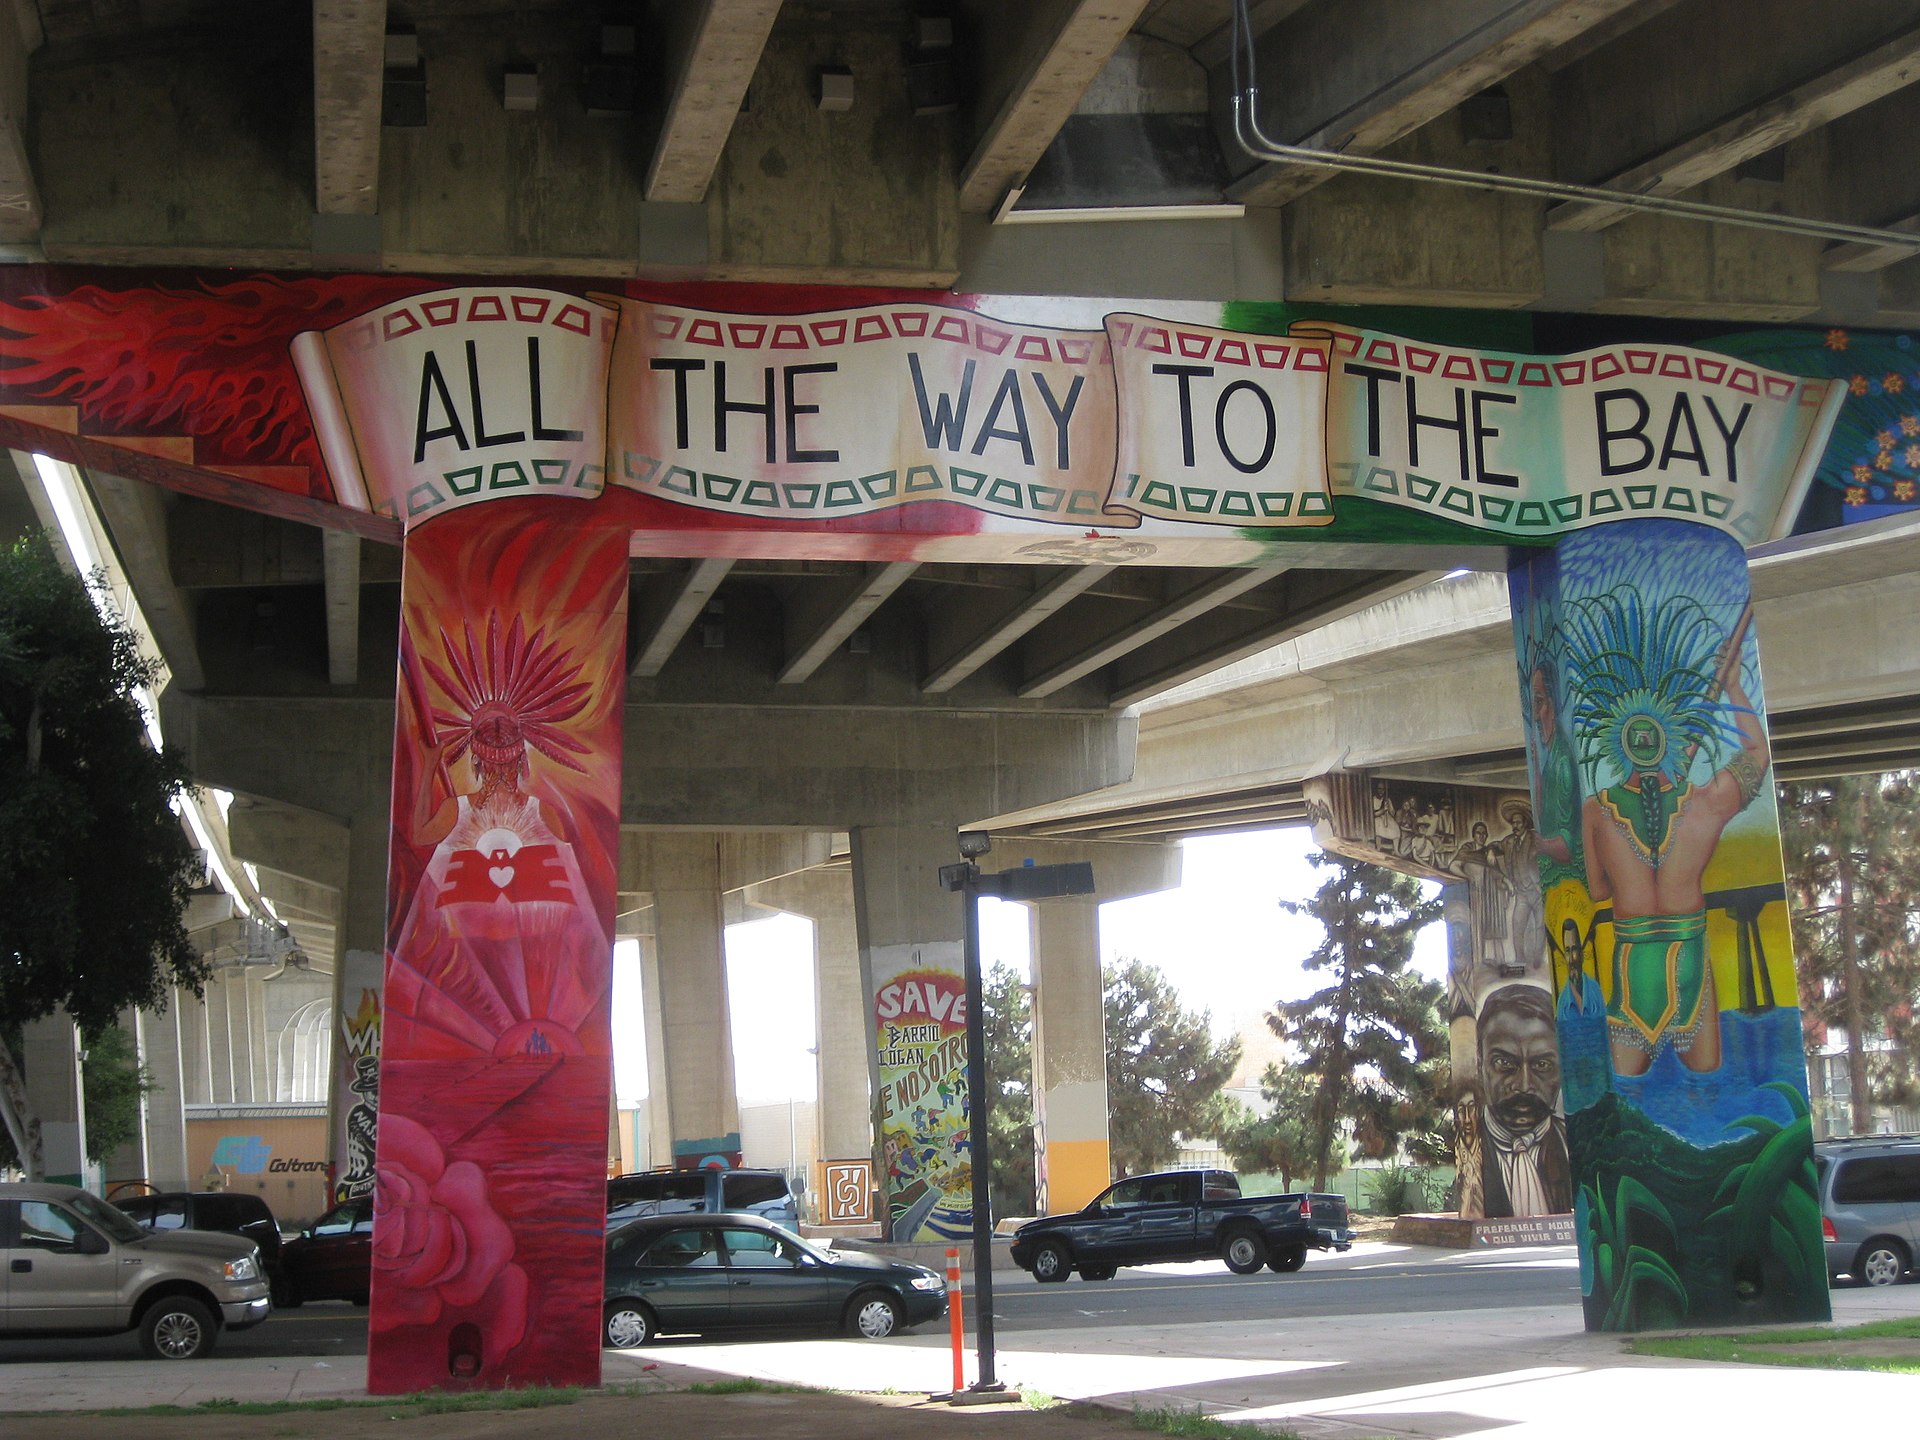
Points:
(438, 401)
(841, 413)
(1535, 446)
(1219, 427)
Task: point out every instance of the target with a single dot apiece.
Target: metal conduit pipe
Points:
(1246, 129)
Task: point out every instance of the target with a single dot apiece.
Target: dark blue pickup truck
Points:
(1182, 1215)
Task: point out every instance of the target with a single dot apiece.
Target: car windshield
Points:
(102, 1216)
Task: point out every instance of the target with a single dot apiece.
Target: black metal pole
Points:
(979, 1102)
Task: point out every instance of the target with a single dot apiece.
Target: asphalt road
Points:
(1370, 1280)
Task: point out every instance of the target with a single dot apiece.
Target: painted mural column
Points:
(1665, 908)
(496, 1064)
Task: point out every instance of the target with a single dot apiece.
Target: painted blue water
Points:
(1758, 1049)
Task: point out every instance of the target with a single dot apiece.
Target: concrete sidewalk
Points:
(1511, 1373)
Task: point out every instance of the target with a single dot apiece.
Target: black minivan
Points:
(676, 1192)
(232, 1214)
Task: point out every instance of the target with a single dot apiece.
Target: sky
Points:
(1220, 938)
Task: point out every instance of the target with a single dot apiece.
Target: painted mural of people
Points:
(1649, 702)
(1519, 862)
(1492, 893)
(1580, 994)
(1524, 1166)
(1556, 780)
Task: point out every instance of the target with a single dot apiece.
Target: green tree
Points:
(1852, 850)
(95, 869)
(1371, 1037)
(1164, 1070)
(1007, 1020)
(1281, 1140)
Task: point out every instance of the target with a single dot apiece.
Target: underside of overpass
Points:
(1072, 151)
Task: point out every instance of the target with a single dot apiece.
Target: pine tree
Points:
(1852, 850)
(1371, 1038)
(1280, 1141)
(95, 870)
(1007, 1021)
(1165, 1070)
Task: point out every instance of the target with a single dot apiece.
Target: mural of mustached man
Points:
(1688, 1133)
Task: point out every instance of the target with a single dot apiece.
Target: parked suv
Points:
(1870, 1205)
(246, 1215)
(74, 1265)
(675, 1192)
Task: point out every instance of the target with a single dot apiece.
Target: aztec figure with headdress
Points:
(500, 953)
(1668, 764)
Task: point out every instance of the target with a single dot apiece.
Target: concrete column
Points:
(196, 1053)
(1680, 1042)
(353, 1094)
(911, 943)
(165, 1104)
(1069, 1012)
(1069, 1056)
(220, 1037)
(50, 1058)
(659, 1108)
(129, 1159)
(260, 1044)
(683, 872)
(843, 1116)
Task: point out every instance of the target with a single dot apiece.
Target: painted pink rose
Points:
(442, 1250)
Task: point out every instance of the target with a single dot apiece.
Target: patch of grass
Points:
(745, 1385)
(1777, 1347)
(1195, 1425)
(432, 1402)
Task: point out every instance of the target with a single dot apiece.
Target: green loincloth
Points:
(1660, 975)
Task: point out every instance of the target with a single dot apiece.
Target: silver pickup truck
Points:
(71, 1264)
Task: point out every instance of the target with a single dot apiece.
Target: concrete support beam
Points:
(129, 1159)
(1163, 621)
(1041, 60)
(1007, 627)
(349, 54)
(340, 551)
(164, 1106)
(684, 874)
(843, 1044)
(812, 638)
(20, 207)
(659, 1107)
(136, 517)
(1069, 1032)
(1858, 257)
(1765, 126)
(714, 47)
(50, 1059)
(1358, 76)
(659, 627)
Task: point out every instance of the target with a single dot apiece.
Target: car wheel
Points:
(1288, 1260)
(628, 1323)
(286, 1294)
(873, 1316)
(1243, 1252)
(1097, 1272)
(177, 1328)
(1051, 1263)
(1881, 1262)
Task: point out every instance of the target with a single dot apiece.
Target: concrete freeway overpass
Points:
(775, 702)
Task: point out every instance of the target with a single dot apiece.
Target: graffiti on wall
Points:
(920, 1036)
(356, 1074)
(1684, 1082)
